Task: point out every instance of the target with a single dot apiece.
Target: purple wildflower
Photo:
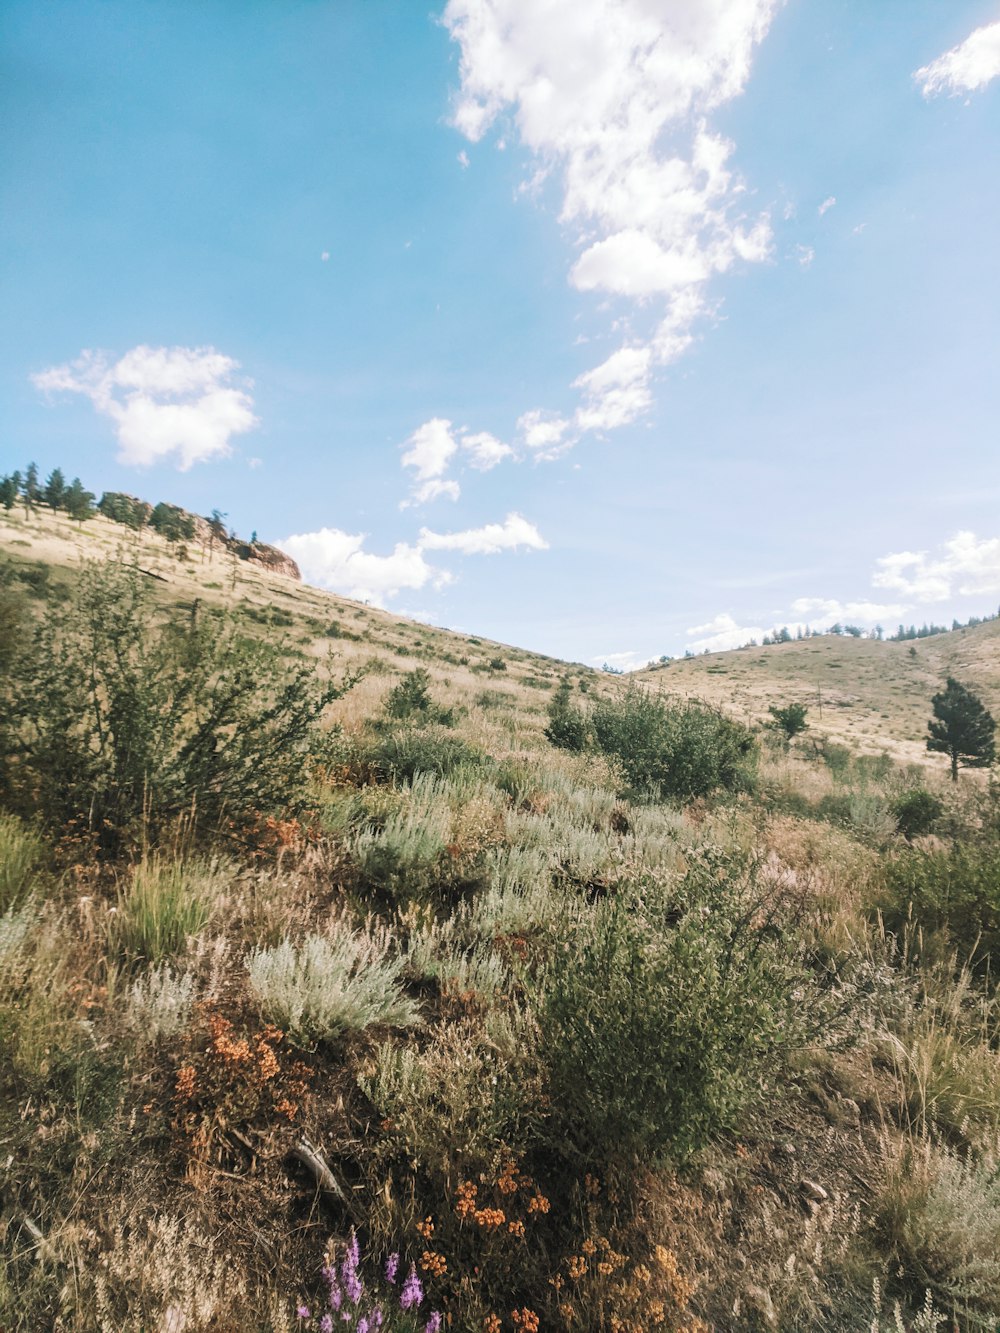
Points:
(336, 1296)
(391, 1267)
(377, 1317)
(412, 1293)
(326, 1324)
(349, 1270)
(302, 1312)
(433, 1324)
(362, 1326)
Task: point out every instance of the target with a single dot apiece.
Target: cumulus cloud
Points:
(722, 633)
(334, 559)
(965, 68)
(615, 392)
(513, 533)
(181, 402)
(612, 97)
(430, 449)
(331, 558)
(966, 565)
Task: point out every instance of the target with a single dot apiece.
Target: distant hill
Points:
(870, 694)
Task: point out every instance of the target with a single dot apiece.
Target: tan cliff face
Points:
(267, 557)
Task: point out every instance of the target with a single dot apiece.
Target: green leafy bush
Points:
(789, 720)
(677, 750)
(916, 812)
(410, 700)
(659, 1021)
(112, 718)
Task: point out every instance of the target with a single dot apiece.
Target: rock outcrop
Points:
(267, 557)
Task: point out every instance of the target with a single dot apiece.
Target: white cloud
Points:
(722, 633)
(165, 401)
(632, 263)
(513, 533)
(966, 565)
(544, 432)
(615, 392)
(971, 65)
(334, 559)
(463, 159)
(806, 254)
(626, 661)
(430, 448)
(611, 96)
(827, 204)
(828, 610)
(485, 450)
(325, 256)
(433, 490)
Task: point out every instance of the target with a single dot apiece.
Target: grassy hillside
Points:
(872, 695)
(327, 980)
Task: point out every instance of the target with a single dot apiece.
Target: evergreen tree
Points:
(32, 491)
(79, 503)
(961, 728)
(8, 492)
(55, 489)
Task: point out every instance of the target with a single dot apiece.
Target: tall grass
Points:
(20, 856)
(163, 905)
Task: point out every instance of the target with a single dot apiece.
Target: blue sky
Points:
(603, 327)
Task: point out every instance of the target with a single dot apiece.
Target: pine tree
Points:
(8, 492)
(961, 728)
(32, 490)
(55, 490)
(78, 502)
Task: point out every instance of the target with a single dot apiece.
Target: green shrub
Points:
(916, 813)
(110, 718)
(789, 720)
(659, 1021)
(956, 892)
(567, 727)
(676, 750)
(410, 700)
(329, 985)
(404, 754)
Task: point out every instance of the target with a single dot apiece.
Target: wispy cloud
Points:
(166, 402)
(827, 204)
(513, 533)
(965, 68)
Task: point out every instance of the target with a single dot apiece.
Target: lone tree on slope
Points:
(961, 728)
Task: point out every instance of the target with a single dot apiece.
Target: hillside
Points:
(872, 695)
(359, 973)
